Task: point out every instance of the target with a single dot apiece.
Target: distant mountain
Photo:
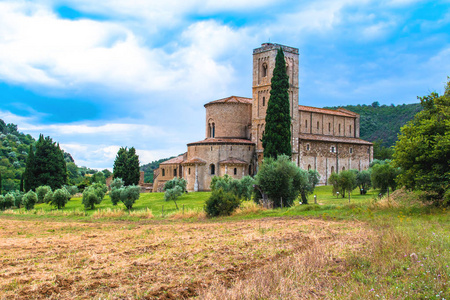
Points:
(383, 121)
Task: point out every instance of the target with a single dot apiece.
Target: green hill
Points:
(150, 167)
(383, 122)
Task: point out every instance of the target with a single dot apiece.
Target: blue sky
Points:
(97, 75)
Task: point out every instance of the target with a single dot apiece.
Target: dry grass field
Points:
(176, 260)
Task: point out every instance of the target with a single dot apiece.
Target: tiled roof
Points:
(175, 160)
(232, 99)
(233, 161)
(342, 113)
(194, 160)
(334, 139)
(222, 141)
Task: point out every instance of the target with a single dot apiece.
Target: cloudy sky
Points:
(97, 75)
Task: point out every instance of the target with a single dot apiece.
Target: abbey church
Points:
(322, 139)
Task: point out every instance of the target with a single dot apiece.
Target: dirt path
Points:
(68, 260)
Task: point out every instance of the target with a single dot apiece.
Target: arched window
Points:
(235, 171)
(163, 172)
(306, 124)
(309, 167)
(213, 129)
(264, 101)
(350, 128)
(351, 150)
(307, 147)
(332, 169)
(189, 171)
(333, 149)
(343, 168)
(264, 70)
(339, 128)
(318, 124)
(175, 172)
(329, 127)
(212, 168)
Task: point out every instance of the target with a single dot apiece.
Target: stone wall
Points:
(230, 119)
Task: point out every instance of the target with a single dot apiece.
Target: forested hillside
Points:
(14, 148)
(383, 122)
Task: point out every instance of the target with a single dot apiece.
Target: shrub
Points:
(221, 203)
(59, 198)
(241, 188)
(48, 197)
(8, 201)
(29, 200)
(71, 190)
(129, 195)
(2, 203)
(18, 199)
(115, 196)
(281, 180)
(41, 191)
(181, 182)
(94, 195)
(117, 183)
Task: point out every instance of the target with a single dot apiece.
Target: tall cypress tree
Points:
(120, 164)
(126, 166)
(21, 183)
(50, 166)
(133, 168)
(29, 175)
(277, 136)
(0, 183)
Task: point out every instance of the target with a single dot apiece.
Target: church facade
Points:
(322, 139)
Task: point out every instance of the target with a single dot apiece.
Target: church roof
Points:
(222, 141)
(340, 112)
(232, 99)
(335, 139)
(194, 160)
(175, 160)
(233, 161)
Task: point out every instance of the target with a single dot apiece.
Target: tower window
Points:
(333, 149)
(189, 171)
(264, 101)
(212, 168)
(264, 70)
(351, 150)
(235, 171)
(307, 147)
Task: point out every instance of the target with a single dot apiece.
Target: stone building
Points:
(322, 139)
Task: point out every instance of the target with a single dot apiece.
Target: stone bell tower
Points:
(263, 65)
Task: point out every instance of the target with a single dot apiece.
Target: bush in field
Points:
(29, 200)
(221, 203)
(347, 183)
(363, 181)
(59, 198)
(280, 179)
(71, 189)
(41, 191)
(117, 183)
(48, 197)
(18, 199)
(383, 176)
(174, 188)
(308, 180)
(241, 188)
(129, 195)
(181, 182)
(94, 195)
(8, 201)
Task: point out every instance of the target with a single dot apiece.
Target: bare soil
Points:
(177, 260)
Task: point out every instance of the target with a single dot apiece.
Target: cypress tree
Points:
(0, 183)
(120, 164)
(133, 168)
(277, 136)
(49, 164)
(29, 173)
